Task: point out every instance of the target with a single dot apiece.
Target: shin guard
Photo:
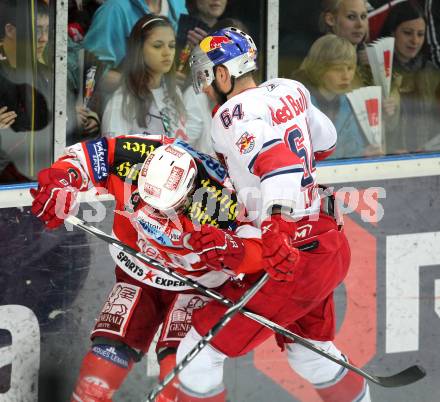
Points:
(102, 372)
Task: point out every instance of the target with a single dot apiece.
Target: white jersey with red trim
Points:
(269, 137)
(112, 165)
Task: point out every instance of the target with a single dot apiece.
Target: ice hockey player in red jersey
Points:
(270, 137)
(162, 187)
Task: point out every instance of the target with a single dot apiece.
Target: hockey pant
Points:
(202, 379)
(137, 313)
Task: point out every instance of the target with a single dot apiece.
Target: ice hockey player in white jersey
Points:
(270, 137)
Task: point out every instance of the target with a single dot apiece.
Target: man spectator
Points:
(16, 95)
(432, 13)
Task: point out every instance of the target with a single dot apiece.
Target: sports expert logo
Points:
(246, 143)
(211, 43)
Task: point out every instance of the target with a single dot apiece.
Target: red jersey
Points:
(112, 165)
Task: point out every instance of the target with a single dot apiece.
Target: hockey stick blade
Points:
(405, 377)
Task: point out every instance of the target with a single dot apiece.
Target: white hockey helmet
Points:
(230, 47)
(167, 178)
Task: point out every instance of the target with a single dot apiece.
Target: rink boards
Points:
(54, 283)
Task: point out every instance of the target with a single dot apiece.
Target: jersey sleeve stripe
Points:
(274, 158)
(266, 146)
(269, 144)
(282, 171)
(321, 155)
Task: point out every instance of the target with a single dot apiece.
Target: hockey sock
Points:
(102, 372)
(333, 382)
(350, 387)
(166, 364)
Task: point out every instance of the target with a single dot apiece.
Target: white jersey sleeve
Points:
(323, 133)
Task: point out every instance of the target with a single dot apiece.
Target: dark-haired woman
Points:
(415, 124)
(148, 100)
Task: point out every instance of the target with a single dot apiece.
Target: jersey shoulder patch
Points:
(97, 153)
(130, 152)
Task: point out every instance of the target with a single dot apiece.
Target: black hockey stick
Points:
(208, 337)
(405, 377)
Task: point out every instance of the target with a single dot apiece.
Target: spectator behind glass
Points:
(203, 15)
(82, 122)
(111, 26)
(349, 19)
(432, 13)
(208, 11)
(148, 101)
(328, 72)
(15, 94)
(414, 125)
(199, 107)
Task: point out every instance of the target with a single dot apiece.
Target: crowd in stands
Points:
(128, 72)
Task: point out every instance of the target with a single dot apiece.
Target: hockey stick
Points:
(208, 337)
(405, 377)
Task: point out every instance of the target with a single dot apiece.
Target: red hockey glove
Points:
(55, 197)
(279, 257)
(217, 248)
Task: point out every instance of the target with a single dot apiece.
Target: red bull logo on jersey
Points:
(290, 108)
(213, 42)
(246, 143)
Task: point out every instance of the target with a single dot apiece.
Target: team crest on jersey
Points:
(246, 143)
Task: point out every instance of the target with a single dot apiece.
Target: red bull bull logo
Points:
(246, 143)
(213, 42)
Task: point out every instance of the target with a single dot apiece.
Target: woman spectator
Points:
(148, 100)
(349, 19)
(328, 72)
(415, 120)
(112, 24)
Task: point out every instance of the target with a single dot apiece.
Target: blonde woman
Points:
(328, 71)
